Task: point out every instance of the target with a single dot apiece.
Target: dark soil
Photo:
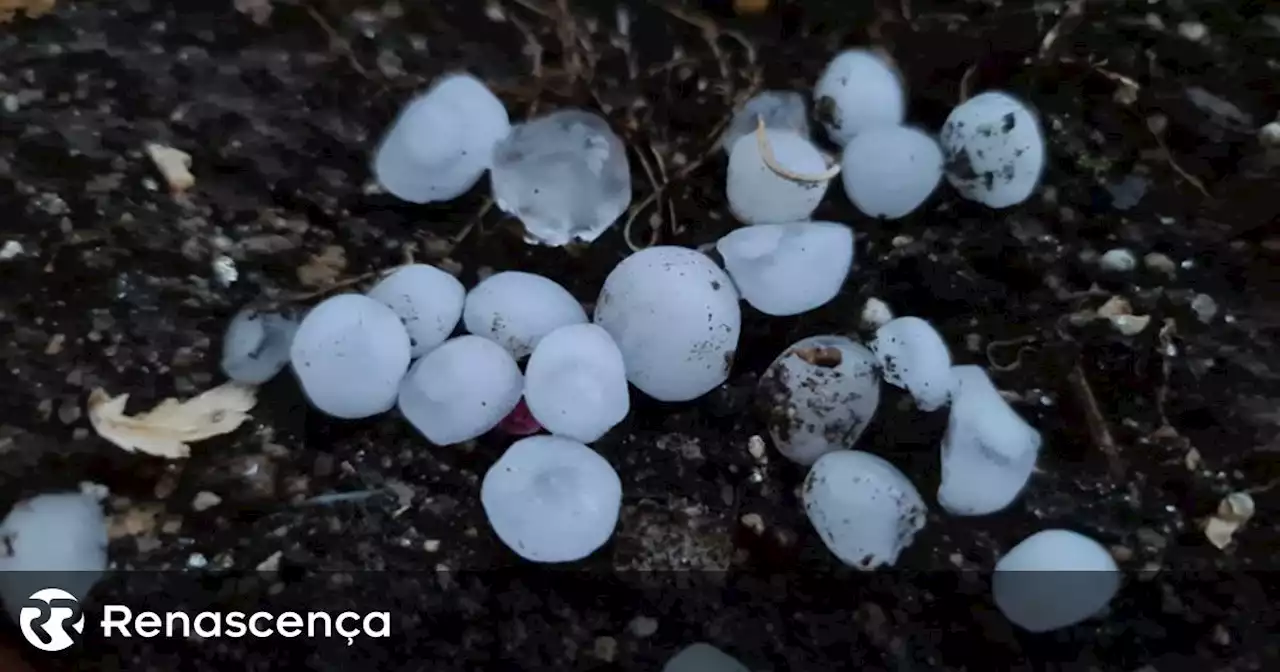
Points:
(115, 288)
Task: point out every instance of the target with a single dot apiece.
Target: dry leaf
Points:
(1233, 511)
(1120, 313)
(33, 8)
(166, 430)
(323, 269)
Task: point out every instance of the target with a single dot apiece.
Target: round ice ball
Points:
(576, 383)
(256, 346)
(675, 316)
(1054, 579)
(461, 390)
(551, 499)
(349, 354)
(788, 269)
(55, 540)
(889, 171)
(994, 149)
(516, 309)
(759, 195)
(428, 301)
(864, 509)
(859, 90)
(914, 357)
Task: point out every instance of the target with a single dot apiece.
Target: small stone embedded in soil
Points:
(858, 90)
(994, 149)
(788, 269)
(758, 195)
(875, 314)
(864, 509)
(428, 301)
(702, 657)
(1118, 260)
(576, 383)
(782, 110)
(891, 171)
(174, 165)
(914, 357)
(256, 346)
(516, 309)
(205, 500)
(460, 390)
(1054, 579)
(56, 540)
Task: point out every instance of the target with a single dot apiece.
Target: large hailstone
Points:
(256, 346)
(702, 657)
(565, 175)
(865, 510)
(428, 301)
(788, 269)
(576, 383)
(675, 316)
(551, 499)
(889, 171)
(988, 451)
(758, 194)
(442, 142)
(914, 357)
(349, 354)
(1054, 579)
(782, 110)
(516, 309)
(52, 541)
(858, 90)
(818, 396)
(461, 390)
(994, 149)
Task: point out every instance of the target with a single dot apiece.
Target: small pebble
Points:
(875, 314)
(1193, 30)
(1205, 307)
(1118, 260)
(10, 250)
(1161, 263)
(643, 626)
(205, 500)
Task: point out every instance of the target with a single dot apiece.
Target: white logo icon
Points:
(51, 620)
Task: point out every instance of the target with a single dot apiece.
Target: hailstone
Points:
(757, 194)
(702, 657)
(864, 509)
(782, 110)
(1054, 579)
(516, 309)
(858, 90)
(889, 171)
(256, 346)
(461, 390)
(788, 269)
(56, 540)
(994, 149)
(576, 383)
(914, 357)
(428, 301)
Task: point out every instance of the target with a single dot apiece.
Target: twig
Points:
(338, 41)
(766, 154)
(1168, 350)
(332, 287)
(1098, 430)
(534, 47)
(472, 223)
(1173, 163)
(966, 82)
(1071, 18)
(1017, 360)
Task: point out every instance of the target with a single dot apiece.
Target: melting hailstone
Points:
(865, 510)
(516, 309)
(442, 142)
(788, 269)
(349, 355)
(256, 346)
(564, 175)
(551, 499)
(702, 657)
(782, 110)
(56, 540)
(914, 357)
(858, 90)
(428, 301)
(818, 396)
(1054, 579)
(576, 383)
(675, 316)
(461, 390)
(988, 451)
(889, 171)
(994, 149)
(759, 195)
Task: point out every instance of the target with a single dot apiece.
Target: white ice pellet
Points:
(442, 142)
(759, 195)
(1118, 260)
(675, 316)
(551, 499)
(565, 176)
(864, 509)
(782, 110)
(858, 90)
(988, 451)
(788, 269)
(889, 171)
(576, 383)
(1054, 579)
(702, 657)
(818, 396)
(52, 541)
(994, 149)
(428, 301)
(256, 346)
(914, 357)
(461, 390)
(516, 309)
(349, 354)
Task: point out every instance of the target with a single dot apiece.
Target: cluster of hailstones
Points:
(667, 321)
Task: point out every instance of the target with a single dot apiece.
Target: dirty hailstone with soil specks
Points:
(858, 90)
(256, 346)
(890, 171)
(788, 269)
(1054, 579)
(428, 301)
(56, 540)
(576, 383)
(865, 510)
(914, 357)
(782, 110)
(516, 309)
(461, 390)
(994, 149)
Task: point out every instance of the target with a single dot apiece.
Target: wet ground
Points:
(112, 284)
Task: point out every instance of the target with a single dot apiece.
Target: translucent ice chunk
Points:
(889, 171)
(818, 396)
(865, 510)
(994, 149)
(576, 383)
(349, 354)
(551, 499)
(859, 90)
(442, 142)
(428, 301)
(256, 346)
(516, 309)
(988, 451)
(564, 175)
(782, 110)
(915, 358)
(702, 657)
(788, 269)
(461, 390)
(675, 316)
(759, 195)
(52, 541)
(1054, 579)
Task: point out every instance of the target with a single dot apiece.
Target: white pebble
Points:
(461, 390)
(864, 509)
(676, 318)
(994, 149)
(914, 357)
(442, 141)
(516, 309)
(1118, 260)
(758, 195)
(858, 90)
(576, 383)
(890, 171)
(551, 499)
(428, 301)
(702, 657)
(875, 314)
(988, 451)
(349, 354)
(52, 541)
(788, 269)
(782, 110)
(256, 346)
(1054, 579)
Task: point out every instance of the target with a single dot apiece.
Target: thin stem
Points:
(766, 153)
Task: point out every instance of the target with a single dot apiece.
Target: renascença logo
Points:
(51, 619)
